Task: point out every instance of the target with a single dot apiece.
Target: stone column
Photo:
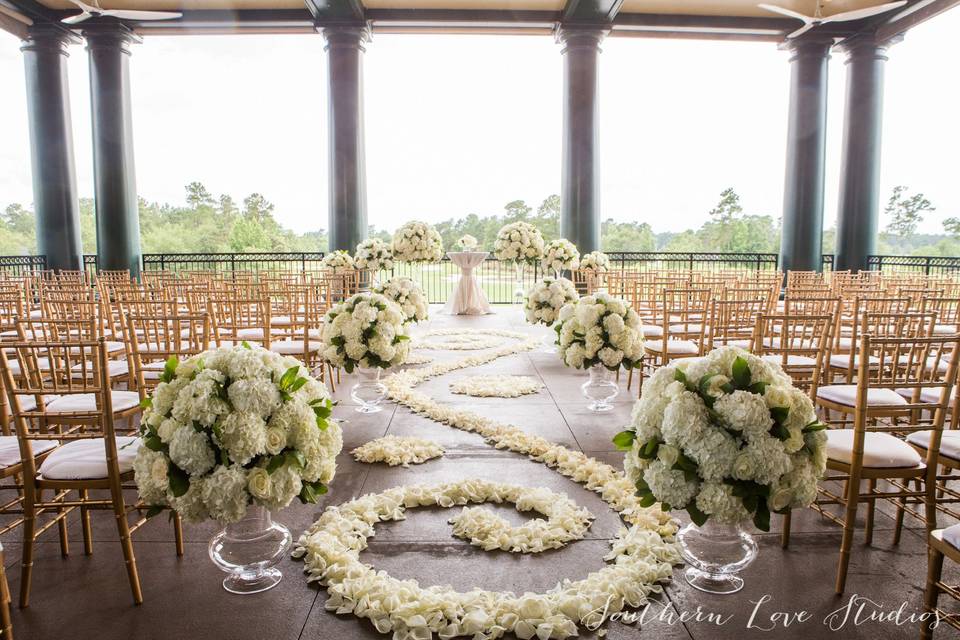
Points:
(347, 212)
(580, 179)
(802, 232)
(115, 184)
(858, 213)
(51, 146)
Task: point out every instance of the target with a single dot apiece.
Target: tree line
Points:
(208, 223)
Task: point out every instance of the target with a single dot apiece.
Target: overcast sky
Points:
(464, 124)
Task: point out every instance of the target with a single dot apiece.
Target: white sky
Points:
(464, 124)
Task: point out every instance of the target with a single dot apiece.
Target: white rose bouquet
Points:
(408, 295)
(599, 329)
(235, 426)
(467, 242)
(373, 254)
(560, 255)
(417, 242)
(518, 242)
(596, 261)
(727, 437)
(545, 299)
(367, 330)
(337, 261)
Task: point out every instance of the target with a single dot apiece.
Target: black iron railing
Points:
(22, 264)
(826, 262)
(703, 261)
(266, 261)
(928, 265)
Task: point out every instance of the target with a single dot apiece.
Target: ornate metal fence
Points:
(266, 261)
(22, 264)
(923, 264)
(652, 260)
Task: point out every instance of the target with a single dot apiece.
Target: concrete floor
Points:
(81, 597)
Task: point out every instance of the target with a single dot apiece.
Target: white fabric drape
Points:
(468, 298)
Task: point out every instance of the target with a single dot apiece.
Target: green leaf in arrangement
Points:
(680, 376)
(146, 403)
(297, 384)
(276, 462)
(642, 486)
(741, 373)
(152, 441)
(759, 388)
(624, 440)
(816, 425)
(348, 366)
(779, 414)
(699, 517)
(648, 500)
(761, 518)
(402, 338)
(179, 480)
(154, 511)
(286, 380)
(665, 507)
(245, 345)
(649, 449)
(311, 492)
(297, 458)
(169, 369)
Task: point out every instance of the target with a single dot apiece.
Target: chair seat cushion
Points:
(29, 402)
(114, 368)
(793, 360)
(945, 329)
(842, 361)
(949, 442)
(255, 333)
(651, 331)
(880, 450)
(87, 459)
(690, 327)
(10, 449)
(742, 343)
(281, 321)
(293, 347)
(673, 346)
(844, 343)
(928, 395)
(846, 394)
(87, 402)
(951, 535)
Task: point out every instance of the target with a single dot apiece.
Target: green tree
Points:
(905, 212)
(728, 208)
(198, 196)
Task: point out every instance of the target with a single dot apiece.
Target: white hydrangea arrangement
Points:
(519, 242)
(595, 261)
(234, 426)
(467, 242)
(338, 261)
(373, 254)
(727, 437)
(599, 329)
(408, 295)
(544, 300)
(417, 242)
(560, 255)
(368, 331)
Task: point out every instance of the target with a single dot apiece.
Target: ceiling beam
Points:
(910, 16)
(701, 27)
(336, 11)
(591, 11)
(14, 24)
(30, 9)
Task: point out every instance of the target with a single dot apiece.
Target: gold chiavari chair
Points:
(75, 328)
(161, 337)
(683, 324)
(733, 321)
(872, 450)
(798, 343)
(304, 329)
(236, 320)
(941, 543)
(6, 625)
(947, 310)
(92, 456)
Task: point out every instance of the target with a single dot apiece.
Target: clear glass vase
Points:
(369, 392)
(519, 292)
(716, 553)
(600, 388)
(550, 342)
(250, 550)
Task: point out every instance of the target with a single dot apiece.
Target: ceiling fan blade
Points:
(790, 13)
(124, 14)
(87, 8)
(866, 12)
(80, 17)
(803, 29)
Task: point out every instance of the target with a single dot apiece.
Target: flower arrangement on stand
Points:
(729, 439)
(544, 300)
(408, 295)
(232, 434)
(599, 333)
(367, 333)
(417, 242)
(560, 255)
(520, 243)
(467, 242)
(339, 261)
(373, 255)
(595, 261)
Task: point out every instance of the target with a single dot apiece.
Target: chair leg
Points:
(178, 533)
(85, 524)
(26, 561)
(898, 528)
(849, 523)
(931, 594)
(871, 510)
(629, 378)
(930, 503)
(123, 528)
(6, 627)
(785, 534)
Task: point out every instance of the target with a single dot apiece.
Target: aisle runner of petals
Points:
(495, 386)
(641, 556)
(395, 450)
(461, 340)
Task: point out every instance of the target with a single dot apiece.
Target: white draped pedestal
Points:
(468, 298)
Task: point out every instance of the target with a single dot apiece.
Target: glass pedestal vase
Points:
(716, 553)
(250, 550)
(369, 392)
(600, 388)
(550, 342)
(518, 291)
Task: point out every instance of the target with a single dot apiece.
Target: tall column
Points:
(51, 146)
(858, 214)
(115, 183)
(580, 179)
(347, 211)
(802, 232)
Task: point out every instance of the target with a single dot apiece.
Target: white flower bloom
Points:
(545, 299)
(496, 386)
(366, 330)
(409, 297)
(224, 494)
(596, 261)
(560, 255)
(394, 450)
(374, 254)
(191, 451)
(338, 261)
(518, 242)
(417, 242)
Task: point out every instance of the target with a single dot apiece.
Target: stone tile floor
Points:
(83, 597)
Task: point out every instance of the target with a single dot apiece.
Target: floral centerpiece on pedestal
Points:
(518, 242)
(408, 295)
(595, 261)
(599, 333)
(467, 243)
(417, 242)
(726, 437)
(560, 255)
(545, 299)
(373, 254)
(233, 433)
(338, 261)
